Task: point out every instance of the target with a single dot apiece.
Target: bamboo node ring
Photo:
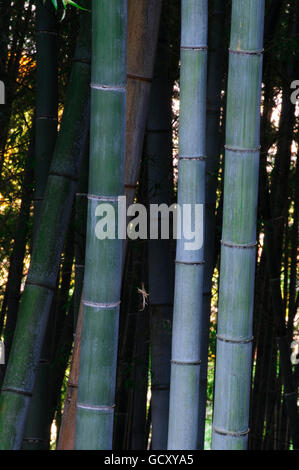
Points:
(243, 52)
(18, 391)
(237, 245)
(139, 77)
(96, 408)
(185, 363)
(118, 88)
(235, 341)
(192, 263)
(242, 150)
(39, 284)
(101, 305)
(104, 198)
(200, 158)
(195, 48)
(223, 432)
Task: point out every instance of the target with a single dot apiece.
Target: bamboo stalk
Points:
(140, 367)
(102, 283)
(160, 184)
(143, 29)
(128, 324)
(41, 281)
(185, 367)
(67, 433)
(46, 99)
(37, 431)
(143, 26)
(215, 77)
(238, 252)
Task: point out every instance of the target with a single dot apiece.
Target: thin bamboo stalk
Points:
(37, 431)
(80, 234)
(141, 363)
(46, 99)
(159, 161)
(238, 252)
(41, 281)
(215, 78)
(102, 283)
(128, 324)
(185, 367)
(143, 29)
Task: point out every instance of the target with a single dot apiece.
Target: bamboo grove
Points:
(135, 341)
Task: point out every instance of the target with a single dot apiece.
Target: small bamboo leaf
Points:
(74, 4)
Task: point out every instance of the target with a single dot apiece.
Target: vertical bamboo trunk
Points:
(215, 77)
(128, 324)
(159, 157)
(143, 25)
(238, 252)
(102, 283)
(80, 234)
(67, 432)
(185, 363)
(41, 281)
(37, 432)
(141, 363)
(46, 99)
(143, 29)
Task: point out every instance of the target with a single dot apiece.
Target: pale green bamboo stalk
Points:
(102, 283)
(238, 252)
(41, 281)
(185, 367)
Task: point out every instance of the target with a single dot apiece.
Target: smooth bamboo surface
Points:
(238, 252)
(186, 334)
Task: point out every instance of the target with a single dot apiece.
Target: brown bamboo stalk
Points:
(67, 433)
(143, 29)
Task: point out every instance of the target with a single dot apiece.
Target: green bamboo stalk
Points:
(46, 99)
(215, 78)
(185, 367)
(102, 283)
(238, 252)
(37, 431)
(159, 157)
(41, 281)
